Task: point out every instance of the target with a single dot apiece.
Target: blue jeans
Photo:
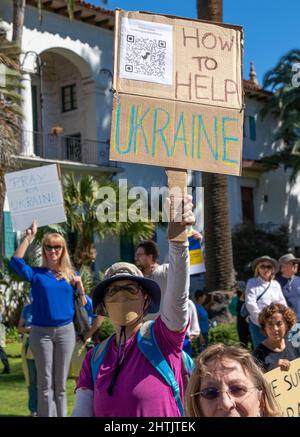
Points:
(32, 388)
(256, 335)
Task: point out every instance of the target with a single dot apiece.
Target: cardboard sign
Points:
(178, 100)
(35, 194)
(196, 256)
(286, 388)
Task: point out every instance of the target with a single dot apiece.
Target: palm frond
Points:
(285, 105)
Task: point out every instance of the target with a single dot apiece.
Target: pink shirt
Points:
(140, 391)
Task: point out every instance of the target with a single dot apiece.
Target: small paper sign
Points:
(35, 193)
(146, 51)
(196, 256)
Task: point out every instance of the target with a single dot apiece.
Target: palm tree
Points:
(218, 246)
(10, 110)
(81, 205)
(18, 21)
(210, 10)
(285, 105)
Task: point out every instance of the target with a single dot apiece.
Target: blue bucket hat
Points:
(123, 270)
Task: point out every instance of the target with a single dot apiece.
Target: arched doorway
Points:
(63, 105)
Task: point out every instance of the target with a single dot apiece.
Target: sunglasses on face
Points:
(265, 266)
(131, 288)
(234, 390)
(49, 248)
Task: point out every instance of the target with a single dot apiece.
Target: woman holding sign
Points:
(52, 335)
(138, 371)
(276, 320)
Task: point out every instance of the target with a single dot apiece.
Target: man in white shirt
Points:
(146, 259)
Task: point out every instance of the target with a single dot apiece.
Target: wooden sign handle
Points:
(177, 184)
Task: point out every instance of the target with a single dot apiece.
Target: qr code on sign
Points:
(146, 51)
(145, 56)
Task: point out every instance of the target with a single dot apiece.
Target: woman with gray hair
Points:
(261, 290)
(227, 382)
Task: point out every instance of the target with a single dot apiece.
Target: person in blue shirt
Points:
(28, 362)
(290, 282)
(200, 297)
(52, 335)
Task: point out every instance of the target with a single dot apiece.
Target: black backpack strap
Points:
(261, 295)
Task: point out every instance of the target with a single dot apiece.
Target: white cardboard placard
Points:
(35, 193)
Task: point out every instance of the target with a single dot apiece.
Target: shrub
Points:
(251, 241)
(224, 333)
(12, 335)
(106, 329)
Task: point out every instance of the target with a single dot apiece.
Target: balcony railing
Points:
(65, 148)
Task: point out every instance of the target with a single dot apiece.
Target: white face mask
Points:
(124, 308)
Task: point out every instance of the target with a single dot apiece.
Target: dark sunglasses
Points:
(49, 248)
(131, 288)
(234, 390)
(266, 266)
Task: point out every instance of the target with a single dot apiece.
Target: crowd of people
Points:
(142, 369)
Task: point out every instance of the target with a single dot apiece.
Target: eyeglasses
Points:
(265, 266)
(50, 248)
(234, 390)
(131, 288)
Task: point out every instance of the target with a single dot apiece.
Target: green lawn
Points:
(13, 391)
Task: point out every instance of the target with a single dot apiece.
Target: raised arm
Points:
(174, 310)
(17, 264)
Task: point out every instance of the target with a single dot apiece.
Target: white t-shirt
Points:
(194, 327)
(160, 276)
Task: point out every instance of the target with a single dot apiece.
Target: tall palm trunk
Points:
(210, 10)
(218, 246)
(18, 21)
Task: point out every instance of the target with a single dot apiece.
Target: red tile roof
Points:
(254, 90)
(83, 11)
(105, 18)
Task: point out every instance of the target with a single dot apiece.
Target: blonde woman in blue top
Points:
(52, 335)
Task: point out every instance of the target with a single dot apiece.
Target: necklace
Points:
(56, 273)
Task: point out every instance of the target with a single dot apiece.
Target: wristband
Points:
(26, 238)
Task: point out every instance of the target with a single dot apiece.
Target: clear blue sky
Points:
(271, 27)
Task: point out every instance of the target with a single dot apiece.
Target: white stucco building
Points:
(67, 84)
